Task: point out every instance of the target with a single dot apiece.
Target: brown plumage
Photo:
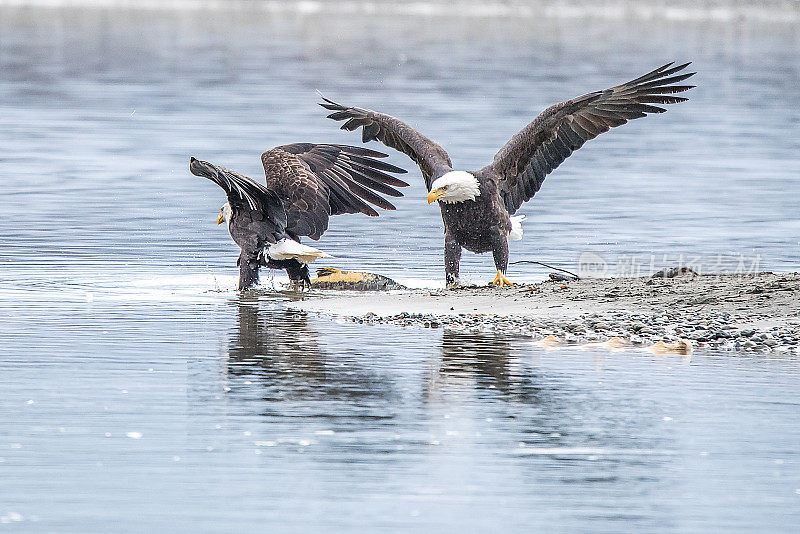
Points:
(482, 223)
(317, 181)
(394, 133)
(305, 184)
(540, 147)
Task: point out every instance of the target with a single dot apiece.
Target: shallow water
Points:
(140, 392)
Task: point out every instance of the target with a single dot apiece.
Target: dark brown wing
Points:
(394, 133)
(540, 147)
(257, 219)
(245, 195)
(316, 181)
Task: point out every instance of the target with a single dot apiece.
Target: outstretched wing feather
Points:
(522, 164)
(243, 193)
(320, 180)
(394, 133)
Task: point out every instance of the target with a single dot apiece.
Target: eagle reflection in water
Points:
(485, 362)
(278, 349)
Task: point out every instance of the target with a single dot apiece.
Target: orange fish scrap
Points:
(681, 347)
(615, 344)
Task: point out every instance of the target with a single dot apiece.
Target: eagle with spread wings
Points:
(478, 207)
(305, 184)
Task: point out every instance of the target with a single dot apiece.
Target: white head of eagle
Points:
(225, 214)
(455, 186)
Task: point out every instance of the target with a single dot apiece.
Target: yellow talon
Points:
(500, 281)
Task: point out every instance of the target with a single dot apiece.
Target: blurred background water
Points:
(140, 392)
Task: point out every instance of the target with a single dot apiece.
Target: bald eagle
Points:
(306, 183)
(478, 207)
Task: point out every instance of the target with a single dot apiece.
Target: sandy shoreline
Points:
(759, 312)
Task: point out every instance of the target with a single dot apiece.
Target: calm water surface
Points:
(141, 393)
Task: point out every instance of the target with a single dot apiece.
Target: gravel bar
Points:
(751, 313)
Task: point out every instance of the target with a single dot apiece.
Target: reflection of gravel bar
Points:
(759, 313)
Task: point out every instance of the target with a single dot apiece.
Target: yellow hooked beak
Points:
(435, 195)
(220, 217)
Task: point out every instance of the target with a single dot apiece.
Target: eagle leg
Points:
(452, 257)
(248, 270)
(298, 274)
(500, 254)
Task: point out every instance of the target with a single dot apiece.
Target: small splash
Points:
(11, 517)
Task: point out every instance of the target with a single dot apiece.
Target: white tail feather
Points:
(287, 249)
(516, 228)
